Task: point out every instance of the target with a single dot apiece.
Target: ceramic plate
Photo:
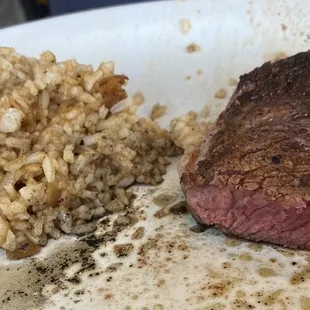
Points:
(169, 265)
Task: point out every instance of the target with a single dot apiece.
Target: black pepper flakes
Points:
(74, 280)
(94, 274)
(113, 267)
(79, 292)
(42, 270)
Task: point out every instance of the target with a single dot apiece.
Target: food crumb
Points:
(113, 267)
(138, 98)
(186, 25)
(205, 112)
(158, 111)
(188, 77)
(121, 250)
(232, 82)
(108, 296)
(199, 72)
(139, 233)
(221, 93)
(192, 48)
(284, 27)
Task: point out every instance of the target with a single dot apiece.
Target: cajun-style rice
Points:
(70, 145)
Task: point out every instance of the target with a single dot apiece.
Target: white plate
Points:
(183, 270)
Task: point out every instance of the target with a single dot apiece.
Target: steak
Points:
(251, 176)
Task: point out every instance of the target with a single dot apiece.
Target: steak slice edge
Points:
(251, 176)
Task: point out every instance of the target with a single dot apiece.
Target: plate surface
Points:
(171, 267)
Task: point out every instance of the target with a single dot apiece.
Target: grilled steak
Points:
(251, 176)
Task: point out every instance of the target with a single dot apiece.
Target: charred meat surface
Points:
(251, 176)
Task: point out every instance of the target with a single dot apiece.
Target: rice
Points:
(70, 146)
(158, 111)
(186, 25)
(188, 131)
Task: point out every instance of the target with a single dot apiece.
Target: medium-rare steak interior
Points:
(251, 176)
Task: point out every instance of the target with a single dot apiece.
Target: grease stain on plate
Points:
(135, 265)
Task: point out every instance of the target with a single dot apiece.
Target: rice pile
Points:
(69, 148)
(189, 131)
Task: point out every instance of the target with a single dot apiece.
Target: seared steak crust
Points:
(251, 177)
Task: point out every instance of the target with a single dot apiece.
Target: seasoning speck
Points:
(74, 280)
(113, 267)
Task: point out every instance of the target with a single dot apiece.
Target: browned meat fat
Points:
(251, 177)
